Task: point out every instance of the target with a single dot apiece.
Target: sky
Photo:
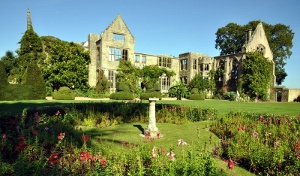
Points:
(169, 27)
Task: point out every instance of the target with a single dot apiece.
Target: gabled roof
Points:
(118, 18)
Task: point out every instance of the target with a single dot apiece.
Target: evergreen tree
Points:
(102, 84)
(34, 78)
(31, 48)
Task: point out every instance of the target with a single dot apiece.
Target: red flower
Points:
(84, 156)
(21, 146)
(230, 164)
(53, 159)
(85, 138)
(21, 138)
(243, 127)
(103, 162)
(35, 132)
(61, 136)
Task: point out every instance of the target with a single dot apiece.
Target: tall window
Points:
(115, 54)
(165, 83)
(111, 54)
(164, 62)
(119, 37)
(125, 54)
(183, 64)
(195, 64)
(118, 54)
(111, 78)
(143, 59)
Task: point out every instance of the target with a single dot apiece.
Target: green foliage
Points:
(130, 74)
(122, 87)
(199, 82)
(66, 64)
(31, 49)
(3, 76)
(34, 78)
(231, 38)
(179, 90)
(103, 84)
(151, 73)
(194, 91)
(199, 96)
(147, 95)
(256, 75)
(11, 67)
(64, 93)
(230, 96)
(122, 96)
(263, 144)
(16, 92)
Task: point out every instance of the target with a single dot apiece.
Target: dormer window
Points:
(119, 37)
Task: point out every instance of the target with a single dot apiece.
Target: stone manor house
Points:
(116, 42)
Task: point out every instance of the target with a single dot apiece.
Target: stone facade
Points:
(283, 94)
(117, 42)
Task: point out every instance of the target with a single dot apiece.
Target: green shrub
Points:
(121, 96)
(122, 87)
(195, 91)
(64, 93)
(200, 96)
(16, 92)
(35, 79)
(148, 95)
(230, 96)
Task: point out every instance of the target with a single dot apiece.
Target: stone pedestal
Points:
(152, 130)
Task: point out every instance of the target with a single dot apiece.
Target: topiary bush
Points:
(148, 95)
(195, 91)
(35, 79)
(121, 96)
(199, 96)
(64, 93)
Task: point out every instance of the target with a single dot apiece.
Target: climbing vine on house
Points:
(256, 75)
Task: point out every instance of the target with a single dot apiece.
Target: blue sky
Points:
(168, 27)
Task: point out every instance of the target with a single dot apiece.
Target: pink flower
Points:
(230, 164)
(57, 113)
(46, 128)
(255, 134)
(171, 155)
(3, 136)
(153, 153)
(276, 144)
(85, 138)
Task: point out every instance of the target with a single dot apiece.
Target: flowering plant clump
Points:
(262, 144)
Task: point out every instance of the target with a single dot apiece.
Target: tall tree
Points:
(231, 38)
(66, 64)
(31, 49)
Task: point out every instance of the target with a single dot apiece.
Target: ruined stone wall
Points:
(292, 94)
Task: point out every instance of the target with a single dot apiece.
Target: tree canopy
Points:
(66, 64)
(231, 38)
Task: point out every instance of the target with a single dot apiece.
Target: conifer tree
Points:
(102, 84)
(34, 78)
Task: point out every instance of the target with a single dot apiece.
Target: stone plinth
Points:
(152, 130)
